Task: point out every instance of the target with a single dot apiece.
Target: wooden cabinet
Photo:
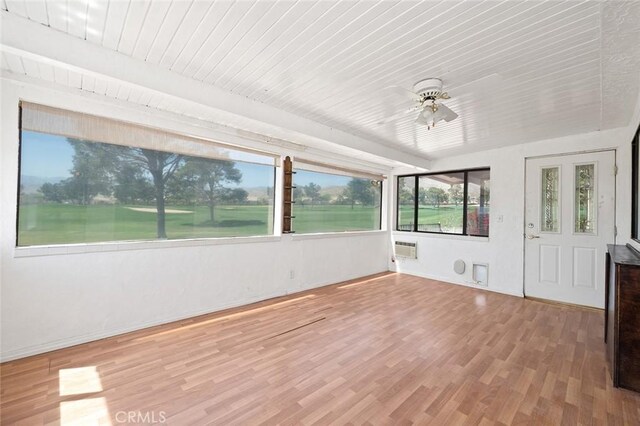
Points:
(622, 315)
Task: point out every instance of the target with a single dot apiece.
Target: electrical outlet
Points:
(292, 274)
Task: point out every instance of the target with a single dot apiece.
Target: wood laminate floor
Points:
(392, 349)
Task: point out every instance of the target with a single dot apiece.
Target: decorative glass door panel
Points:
(584, 216)
(550, 200)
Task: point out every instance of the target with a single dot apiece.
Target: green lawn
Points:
(42, 224)
(329, 218)
(449, 217)
(60, 223)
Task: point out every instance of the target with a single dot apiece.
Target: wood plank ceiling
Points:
(519, 71)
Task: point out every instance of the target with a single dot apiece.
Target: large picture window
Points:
(86, 179)
(446, 203)
(333, 200)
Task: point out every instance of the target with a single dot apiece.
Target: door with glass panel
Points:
(569, 220)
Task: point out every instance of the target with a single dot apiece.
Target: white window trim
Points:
(114, 246)
(479, 239)
(337, 234)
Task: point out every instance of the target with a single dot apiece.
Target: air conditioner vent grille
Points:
(406, 249)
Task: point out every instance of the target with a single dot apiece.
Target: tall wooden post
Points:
(287, 197)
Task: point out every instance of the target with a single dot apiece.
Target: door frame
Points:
(524, 203)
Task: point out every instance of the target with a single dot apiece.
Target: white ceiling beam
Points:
(30, 39)
(119, 109)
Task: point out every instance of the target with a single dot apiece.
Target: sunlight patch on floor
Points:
(77, 381)
(226, 317)
(89, 411)
(362, 282)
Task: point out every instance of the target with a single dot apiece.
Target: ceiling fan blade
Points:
(403, 92)
(449, 115)
(398, 115)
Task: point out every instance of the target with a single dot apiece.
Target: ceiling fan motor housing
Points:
(430, 88)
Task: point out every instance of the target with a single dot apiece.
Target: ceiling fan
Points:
(425, 94)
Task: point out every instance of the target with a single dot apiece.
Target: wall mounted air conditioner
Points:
(405, 249)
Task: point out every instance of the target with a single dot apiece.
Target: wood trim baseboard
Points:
(567, 304)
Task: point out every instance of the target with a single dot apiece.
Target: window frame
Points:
(49, 248)
(416, 202)
(355, 176)
(635, 194)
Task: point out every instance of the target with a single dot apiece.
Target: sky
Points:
(50, 156)
(45, 156)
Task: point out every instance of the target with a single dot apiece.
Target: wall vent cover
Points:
(406, 249)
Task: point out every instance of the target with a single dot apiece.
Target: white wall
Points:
(51, 299)
(504, 248)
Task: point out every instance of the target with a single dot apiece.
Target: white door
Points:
(569, 220)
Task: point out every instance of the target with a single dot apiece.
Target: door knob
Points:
(531, 237)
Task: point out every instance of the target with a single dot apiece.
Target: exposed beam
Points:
(27, 38)
(172, 121)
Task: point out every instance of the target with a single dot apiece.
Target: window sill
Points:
(320, 235)
(61, 249)
(443, 236)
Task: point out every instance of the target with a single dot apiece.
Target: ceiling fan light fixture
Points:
(429, 88)
(425, 94)
(432, 114)
(426, 117)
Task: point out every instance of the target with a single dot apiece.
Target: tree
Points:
(360, 191)
(433, 196)
(406, 197)
(298, 195)
(206, 178)
(159, 164)
(234, 196)
(53, 192)
(324, 198)
(312, 191)
(90, 175)
(456, 194)
(341, 200)
(133, 186)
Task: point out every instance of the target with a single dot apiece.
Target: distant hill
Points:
(257, 192)
(31, 184)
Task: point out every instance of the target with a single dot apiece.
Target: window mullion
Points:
(464, 203)
(416, 204)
